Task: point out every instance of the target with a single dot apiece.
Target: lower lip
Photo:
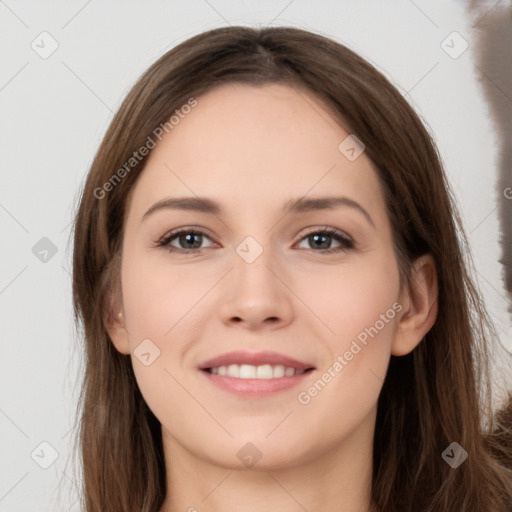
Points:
(255, 387)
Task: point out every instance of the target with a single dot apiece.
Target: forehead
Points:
(251, 146)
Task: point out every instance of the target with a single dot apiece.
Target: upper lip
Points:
(254, 359)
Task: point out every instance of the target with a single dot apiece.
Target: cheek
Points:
(162, 304)
(361, 307)
(351, 298)
(159, 306)
(159, 298)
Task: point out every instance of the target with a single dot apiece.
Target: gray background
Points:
(55, 110)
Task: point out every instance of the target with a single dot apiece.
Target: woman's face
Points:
(260, 290)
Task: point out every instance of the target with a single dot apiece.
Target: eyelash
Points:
(347, 244)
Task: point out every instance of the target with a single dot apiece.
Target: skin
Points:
(252, 149)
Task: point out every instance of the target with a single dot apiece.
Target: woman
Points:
(263, 370)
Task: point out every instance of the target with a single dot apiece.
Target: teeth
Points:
(278, 371)
(289, 372)
(264, 372)
(248, 371)
(233, 370)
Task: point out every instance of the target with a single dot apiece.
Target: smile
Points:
(248, 371)
(255, 374)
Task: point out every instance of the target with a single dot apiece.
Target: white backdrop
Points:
(65, 68)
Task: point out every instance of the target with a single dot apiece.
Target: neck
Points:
(336, 480)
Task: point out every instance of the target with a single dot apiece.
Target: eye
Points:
(189, 239)
(320, 239)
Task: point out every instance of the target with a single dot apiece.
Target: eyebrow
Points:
(300, 205)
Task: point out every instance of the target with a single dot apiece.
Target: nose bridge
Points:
(253, 263)
(255, 292)
(255, 242)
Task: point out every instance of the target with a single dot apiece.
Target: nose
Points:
(256, 295)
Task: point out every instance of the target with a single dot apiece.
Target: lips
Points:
(255, 374)
(240, 357)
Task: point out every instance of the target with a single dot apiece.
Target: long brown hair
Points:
(438, 394)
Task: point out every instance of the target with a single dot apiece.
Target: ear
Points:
(420, 305)
(115, 322)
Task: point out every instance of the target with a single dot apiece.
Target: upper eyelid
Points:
(173, 233)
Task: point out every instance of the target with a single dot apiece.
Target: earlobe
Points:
(420, 301)
(116, 328)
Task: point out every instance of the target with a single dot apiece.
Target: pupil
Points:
(316, 237)
(188, 237)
